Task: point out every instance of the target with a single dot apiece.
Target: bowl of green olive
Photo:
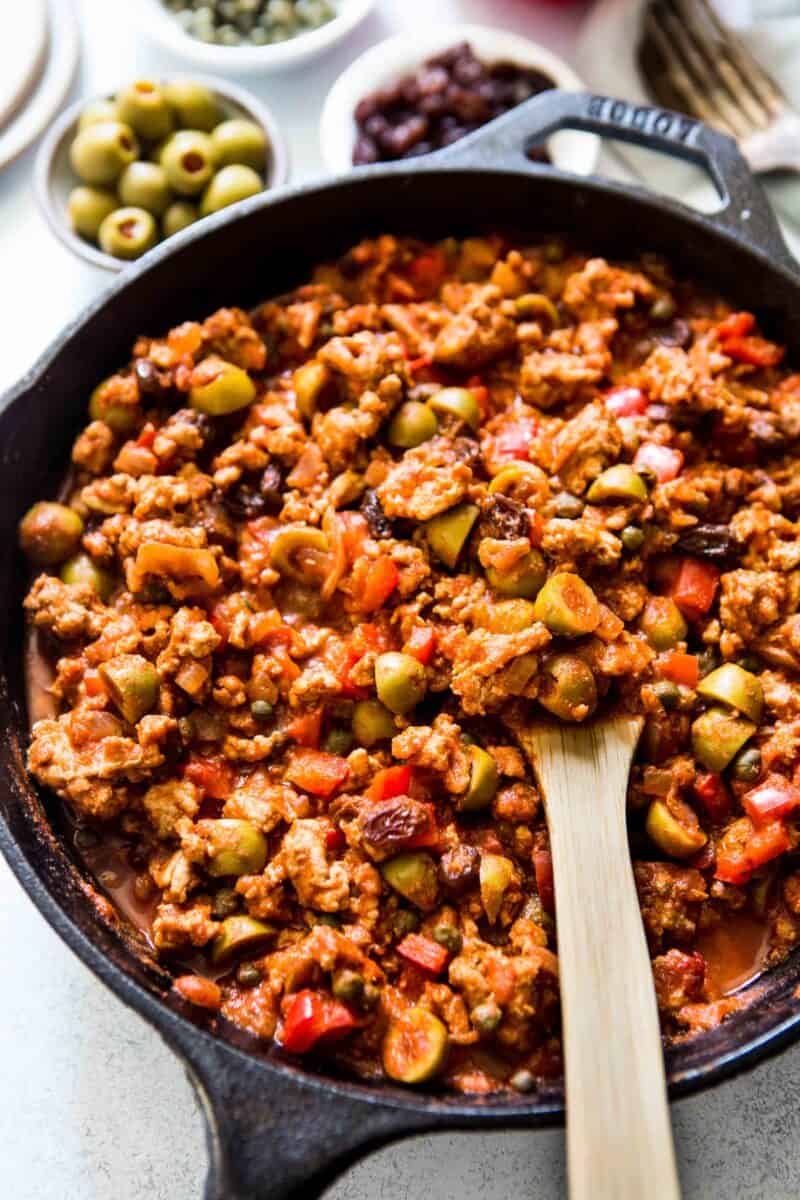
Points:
(118, 174)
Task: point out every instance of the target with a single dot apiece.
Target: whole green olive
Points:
(239, 141)
(372, 722)
(412, 424)
(178, 216)
(457, 402)
(219, 387)
(50, 532)
(82, 569)
(228, 186)
(194, 106)
(400, 681)
(101, 151)
(128, 233)
(88, 207)
(187, 160)
(144, 185)
(97, 111)
(144, 107)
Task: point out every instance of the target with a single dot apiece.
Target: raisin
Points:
(152, 382)
(394, 824)
(379, 524)
(504, 519)
(458, 868)
(714, 543)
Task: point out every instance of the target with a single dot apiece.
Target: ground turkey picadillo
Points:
(312, 563)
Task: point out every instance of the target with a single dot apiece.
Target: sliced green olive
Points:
(718, 736)
(496, 873)
(484, 781)
(533, 305)
(663, 623)
(518, 477)
(219, 387)
(447, 534)
(400, 681)
(132, 683)
(81, 569)
(50, 532)
(525, 578)
(568, 688)
(237, 934)
(675, 829)
(621, 482)
(735, 687)
(413, 875)
(235, 848)
(372, 722)
(414, 1047)
(508, 616)
(294, 547)
(309, 381)
(412, 424)
(457, 402)
(567, 605)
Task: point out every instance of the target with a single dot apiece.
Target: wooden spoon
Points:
(619, 1140)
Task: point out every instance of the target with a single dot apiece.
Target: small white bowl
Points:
(387, 62)
(54, 178)
(160, 24)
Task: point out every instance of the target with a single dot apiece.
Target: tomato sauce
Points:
(735, 951)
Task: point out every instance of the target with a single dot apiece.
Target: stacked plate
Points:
(38, 58)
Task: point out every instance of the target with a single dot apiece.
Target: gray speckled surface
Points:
(94, 1106)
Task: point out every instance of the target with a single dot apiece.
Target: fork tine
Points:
(745, 110)
(678, 79)
(752, 74)
(718, 107)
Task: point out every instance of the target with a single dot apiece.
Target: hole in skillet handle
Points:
(746, 213)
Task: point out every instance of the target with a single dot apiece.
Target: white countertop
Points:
(92, 1105)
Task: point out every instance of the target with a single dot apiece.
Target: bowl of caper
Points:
(118, 174)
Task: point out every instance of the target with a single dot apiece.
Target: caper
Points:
(449, 937)
(567, 506)
(400, 681)
(667, 693)
(663, 309)
(226, 902)
(338, 741)
(486, 1017)
(372, 722)
(522, 1081)
(261, 709)
(50, 532)
(747, 765)
(412, 424)
(632, 538)
(347, 986)
(248, 975)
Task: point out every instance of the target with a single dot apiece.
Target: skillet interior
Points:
(238, 261)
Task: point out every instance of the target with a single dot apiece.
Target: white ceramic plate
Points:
(23, 49)
(53, 84)
(160, 24)
(388, 61)
(54, 178)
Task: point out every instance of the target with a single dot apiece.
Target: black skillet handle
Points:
(746, 212)
(277, 1134)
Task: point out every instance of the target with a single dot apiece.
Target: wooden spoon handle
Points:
(619, 1140)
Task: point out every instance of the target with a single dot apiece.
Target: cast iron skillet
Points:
(275, 1130)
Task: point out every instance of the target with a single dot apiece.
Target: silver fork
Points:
(693, 62)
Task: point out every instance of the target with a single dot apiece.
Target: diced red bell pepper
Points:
(93, 683)
(536, 522)
(213, 776)
(736, 864)
(427, 271)
(147, 436)
(543, 869)
(625, 401)
(679, 668)
(355, 531)
(391, 781)
(317, 772)
(755, 351)
(306, 728)
(379, 582)
(513, 441)
(423, 952)
(694, 586)
(664, 461)
(310, 1016)
(480, 392)
(335, 840)
(776, 797)
(735, 325)
(711, 793)
(421, 643)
